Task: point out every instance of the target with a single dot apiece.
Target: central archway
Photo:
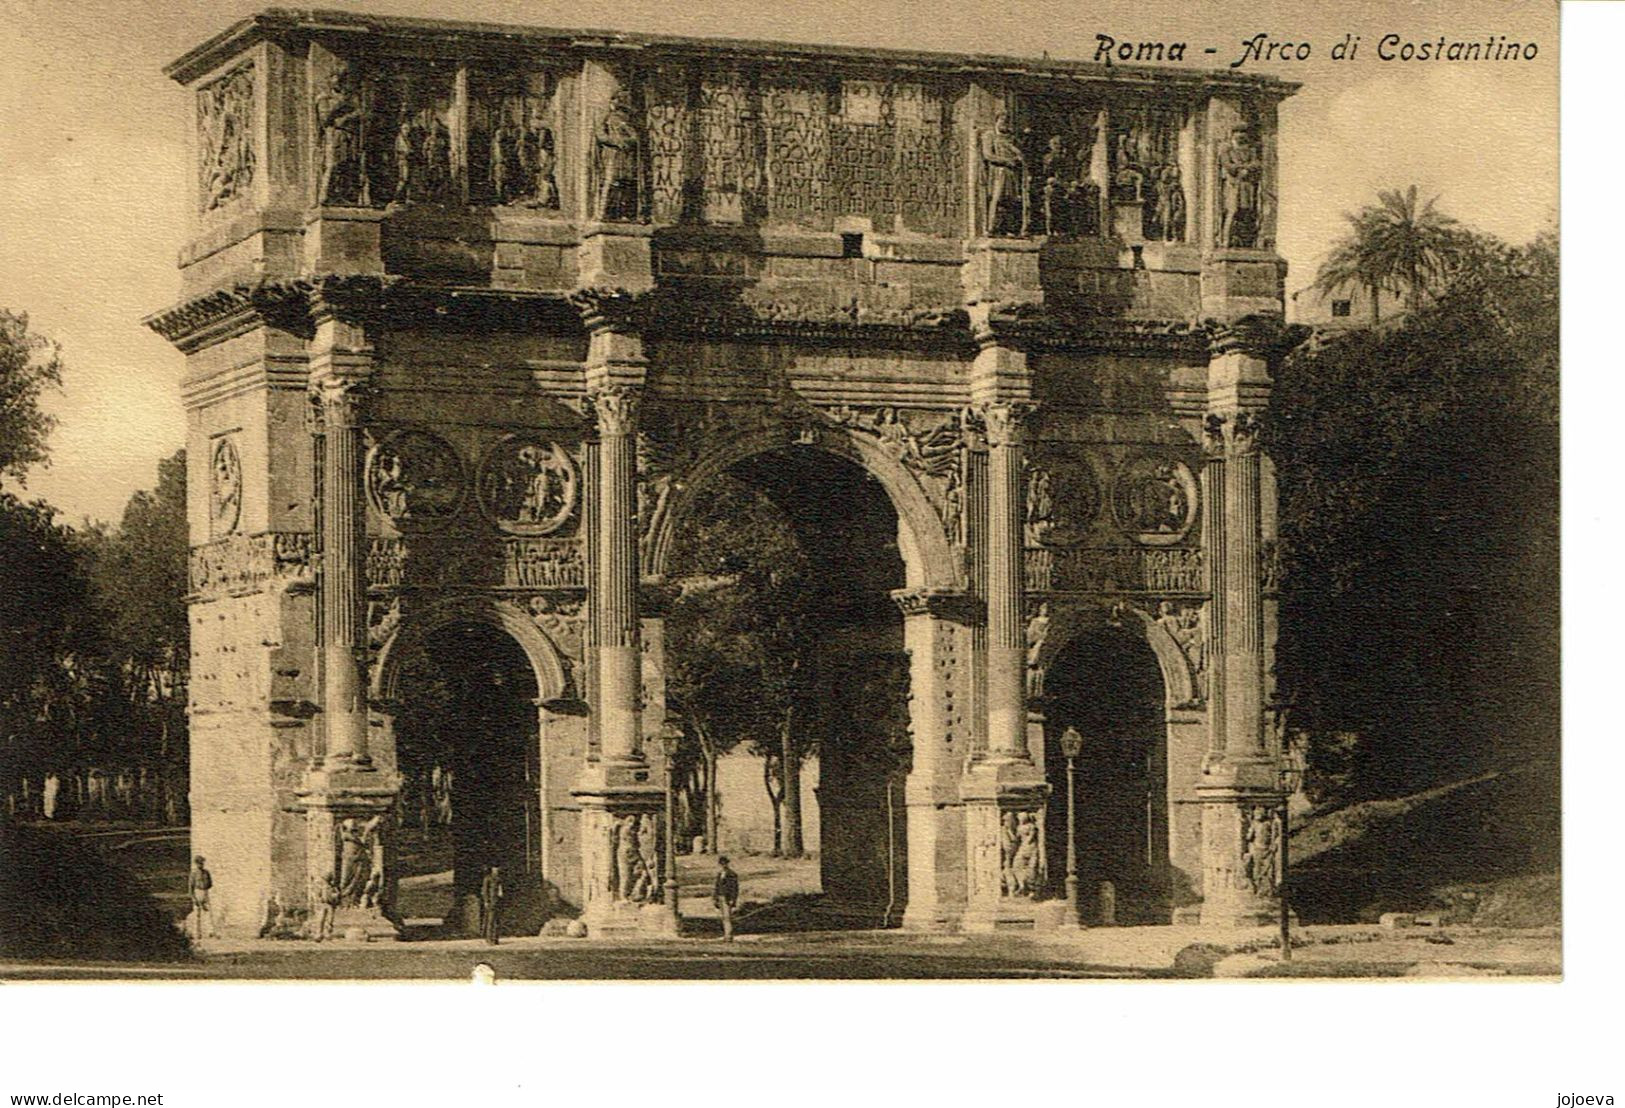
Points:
(851, 552)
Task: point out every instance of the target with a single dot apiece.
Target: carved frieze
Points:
(1084, 569)
(415, 478)
(930, 444)
(225, 488)
(543, 563)
(1154, 500)
(225, 125)
(1146, 172)
(242, 564)
(386, 562)
(527, 486)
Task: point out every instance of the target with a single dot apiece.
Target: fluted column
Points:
(344, 581)
(1243, 603)
(1239, 783)
(1213, 547)
(1006, 618)
(616, 577)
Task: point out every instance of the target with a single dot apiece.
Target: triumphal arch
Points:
(473, 314)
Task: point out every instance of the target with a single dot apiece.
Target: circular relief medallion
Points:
(527, 486)
(1154, 500)
(225, 487)
(414, 477)
(1063, 502)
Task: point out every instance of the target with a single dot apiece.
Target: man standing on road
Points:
(725, 895)
(327, 903)
(490, 898)
(199, 884)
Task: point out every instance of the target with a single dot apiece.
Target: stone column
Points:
(1239, 788)
(346, 799)
(615, 578)
(620, 796)
(1003, 788)
(1006, 619)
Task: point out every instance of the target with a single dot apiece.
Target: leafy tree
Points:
(1397, 244)
(29, 365)
(1418, 476)
(139, 585)
(739, 642)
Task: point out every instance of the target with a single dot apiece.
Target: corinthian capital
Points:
(608, 308)
(339, 398)
(616, 407)
(1232, 434)
(1007, 422)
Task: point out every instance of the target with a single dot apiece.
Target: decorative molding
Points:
(1178, 570)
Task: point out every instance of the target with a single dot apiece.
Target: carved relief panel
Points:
(514, 139)
(1063, 497)
(225, 488)
(527, 486)
(415, 478)
(1154, 500)
(225, 139)
(1147, 187)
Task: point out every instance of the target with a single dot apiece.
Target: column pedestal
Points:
(1005, 804)
(348, 820)
(1240, 843)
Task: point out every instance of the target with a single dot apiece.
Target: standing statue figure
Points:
(1028, 863)
(343, 163)
(1004, 173)
(506, 143)
(618, 156)
(1009, 833)
(624, 849)
(359, 847)
(1241, 171)
(1262, 849)
(542, 153)
(1058, 189)
(649, 857)
(436, 158)
(1170, 204)
(407, 142)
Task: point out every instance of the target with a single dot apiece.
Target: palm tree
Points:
(1398, 244)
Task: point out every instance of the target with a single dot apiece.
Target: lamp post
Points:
(1289, 782)
(670, 739)
(1071, 746)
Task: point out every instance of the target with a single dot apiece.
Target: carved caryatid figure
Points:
(1261, 850)
(618, 156)
(338, 121)
(1028, 864)
(1241, 171)
(1004, 172)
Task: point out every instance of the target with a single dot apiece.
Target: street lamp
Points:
(1071, 746)
(1289, 774)
(670, 739)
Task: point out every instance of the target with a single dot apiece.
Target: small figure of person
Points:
(725, 895)
(199, 884)
(490, 902)
(327, 903)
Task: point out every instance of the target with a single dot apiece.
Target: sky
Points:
(95, 151)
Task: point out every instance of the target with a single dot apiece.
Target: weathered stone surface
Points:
(542, 295)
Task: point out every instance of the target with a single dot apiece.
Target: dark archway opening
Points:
(791, 556)
(467, 749)
(1107, 683)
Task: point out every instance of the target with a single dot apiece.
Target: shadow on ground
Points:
(60, 898)
(1485, 851)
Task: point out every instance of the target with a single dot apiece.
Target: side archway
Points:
(421, 622)
(929, 559)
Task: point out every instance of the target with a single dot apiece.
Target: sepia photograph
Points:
(541, 491)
